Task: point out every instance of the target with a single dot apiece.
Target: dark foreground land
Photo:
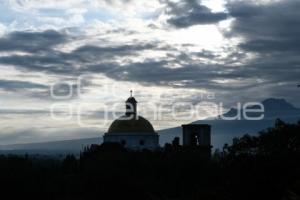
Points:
(262, 167)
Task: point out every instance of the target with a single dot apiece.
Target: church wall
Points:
(134, 141)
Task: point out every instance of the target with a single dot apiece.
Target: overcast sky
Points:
(195, 51)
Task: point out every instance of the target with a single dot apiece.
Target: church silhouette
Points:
(135, 132)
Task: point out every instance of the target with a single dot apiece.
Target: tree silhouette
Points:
(263, 166)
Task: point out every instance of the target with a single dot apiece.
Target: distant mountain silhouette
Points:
(273, 109)
(222, 130)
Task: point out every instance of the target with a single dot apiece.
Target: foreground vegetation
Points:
(266, 166)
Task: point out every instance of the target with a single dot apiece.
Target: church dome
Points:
(131, 130)
(125, 124)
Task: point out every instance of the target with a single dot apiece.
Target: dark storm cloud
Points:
(271, 31)
(13, 85)
(188, 76)
(90, 59)
(37, 90)
(190, 12)
(271, 45)
(44, 58)
(272, 27)
(253, 22)
(41, 57)
(47, 62)
(31, 41)
(88, 53)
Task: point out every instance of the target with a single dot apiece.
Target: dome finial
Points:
(130, 93)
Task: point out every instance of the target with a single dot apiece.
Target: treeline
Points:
(266, 166)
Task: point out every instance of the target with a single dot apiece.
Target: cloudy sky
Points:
(65, 64)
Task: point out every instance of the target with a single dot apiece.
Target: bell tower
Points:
(131, 108)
